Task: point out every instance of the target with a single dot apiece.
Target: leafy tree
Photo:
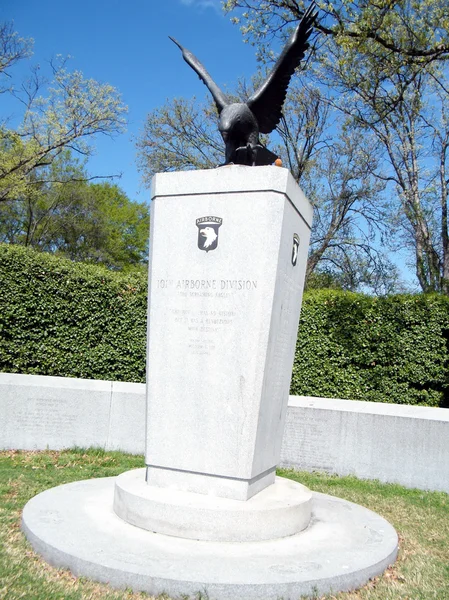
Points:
(65, 114)
(324, 279)
(108, 228)
(81, 220)
(384, 66)
(335, 175)
(408, 31)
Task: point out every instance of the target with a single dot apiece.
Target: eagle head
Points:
(210, 234)
(238, 123)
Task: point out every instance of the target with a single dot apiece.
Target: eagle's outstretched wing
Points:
(220, 99)
(266, 103)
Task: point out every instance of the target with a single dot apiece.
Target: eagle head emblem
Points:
(208, 232)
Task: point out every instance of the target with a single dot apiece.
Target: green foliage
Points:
(89, 222)
(107, 227)
(319, 280)
(68, 112)
(76, 320)
(389, 349)
(68, 319)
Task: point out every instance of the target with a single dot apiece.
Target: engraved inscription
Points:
(201, 322)
(48, 416)
(306, 443)
(207, 284)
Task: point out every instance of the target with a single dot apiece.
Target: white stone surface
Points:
(39, 413)
(279, 510)
(408, 445)
(237, 180)
(127, 417)
(222, 325)
(53, 412)
(225, 487)
(74, 526)
(401, 444)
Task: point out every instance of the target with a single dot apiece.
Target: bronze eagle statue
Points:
(240, 123)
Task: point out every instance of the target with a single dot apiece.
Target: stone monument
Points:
(228, 258)
(207, 513)
(228, 252)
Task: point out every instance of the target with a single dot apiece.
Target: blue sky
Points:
(126, 44)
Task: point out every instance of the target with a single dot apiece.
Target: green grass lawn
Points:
(420, 518)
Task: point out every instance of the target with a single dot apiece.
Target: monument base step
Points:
(74, 526)
(280, 510)
(204, 483)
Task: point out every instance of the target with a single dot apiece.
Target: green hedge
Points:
(76, 320)
(70, 319)
(389, 349)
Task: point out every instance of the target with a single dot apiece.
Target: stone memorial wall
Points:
(398, 444)
(38, 413)
(371, 440)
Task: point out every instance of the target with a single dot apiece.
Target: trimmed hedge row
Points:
(389, 349)
(70, 319)
(76, 320)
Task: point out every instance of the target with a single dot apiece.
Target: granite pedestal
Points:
(227, 265)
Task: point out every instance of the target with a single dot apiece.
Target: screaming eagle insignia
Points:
(295, 248)
(208, 232)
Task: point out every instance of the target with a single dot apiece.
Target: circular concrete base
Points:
(280, 510)
(74, 526)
